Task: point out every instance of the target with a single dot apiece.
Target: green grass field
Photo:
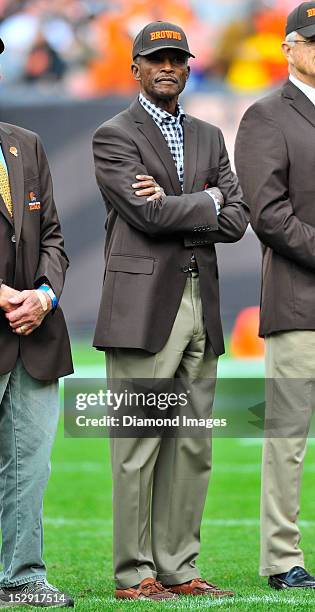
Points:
(78, 526)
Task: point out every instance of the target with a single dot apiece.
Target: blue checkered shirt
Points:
(171, 127)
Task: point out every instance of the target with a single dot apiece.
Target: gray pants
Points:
(29, 411)
(160, 485)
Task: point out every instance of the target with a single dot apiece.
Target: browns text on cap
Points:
(160, 35)
(302, 20)
(1, 45)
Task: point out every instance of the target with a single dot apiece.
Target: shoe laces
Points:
(153, 587)
(38, 586)
(200, 581)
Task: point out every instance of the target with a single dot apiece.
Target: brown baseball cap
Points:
(302, 20)
(160, 35)
(1, 45)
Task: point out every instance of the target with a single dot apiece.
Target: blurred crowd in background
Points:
(82, 47)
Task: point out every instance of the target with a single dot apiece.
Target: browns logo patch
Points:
(33, 204)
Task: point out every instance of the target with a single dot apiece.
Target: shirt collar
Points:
(306, 89)
(159, 115)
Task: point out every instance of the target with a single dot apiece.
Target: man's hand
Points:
(217, 197)
(148, 187)
(6, 293)
(28, 313)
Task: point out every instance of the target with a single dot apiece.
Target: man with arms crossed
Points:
(34, 353)
(275, 160)
(159, 314)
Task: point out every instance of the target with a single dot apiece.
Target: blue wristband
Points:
(51, 294)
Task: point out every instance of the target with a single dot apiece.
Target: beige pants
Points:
(291, 356)
(160, 485)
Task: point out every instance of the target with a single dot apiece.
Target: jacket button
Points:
(13, 238)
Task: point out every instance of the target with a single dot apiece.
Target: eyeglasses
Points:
(308, 43)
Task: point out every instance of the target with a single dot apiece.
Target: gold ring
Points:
(22, 329)
(157, 188)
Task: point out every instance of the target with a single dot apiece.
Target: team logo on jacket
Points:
(33, 204)
(14, 151)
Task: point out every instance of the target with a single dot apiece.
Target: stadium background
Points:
(66, 69)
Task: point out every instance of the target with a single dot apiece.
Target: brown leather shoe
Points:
(199, 587)
(147, 589)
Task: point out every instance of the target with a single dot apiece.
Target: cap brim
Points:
(150, 51)
(308, 31)
(1, 46)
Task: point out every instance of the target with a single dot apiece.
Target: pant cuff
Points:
(20, 581)
(282, 568)
(133, 578)
(178, 577)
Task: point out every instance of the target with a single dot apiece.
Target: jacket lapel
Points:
(4, 211)
(299, 101)
(190, 154)
(16, 178)
(156, 139)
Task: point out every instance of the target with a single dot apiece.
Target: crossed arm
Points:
(118, 163)
(149, 209)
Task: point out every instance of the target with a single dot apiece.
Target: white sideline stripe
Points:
(259, 441)
(89, 522)
(237, 600)
(78, 466)
(225, 468)
(209, 603)
(250, 441)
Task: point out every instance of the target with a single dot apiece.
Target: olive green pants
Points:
(160, 484)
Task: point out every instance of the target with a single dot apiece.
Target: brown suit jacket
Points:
(32, 250)
(149, 245)
(275, 161)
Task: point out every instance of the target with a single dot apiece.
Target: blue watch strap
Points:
(51, 294)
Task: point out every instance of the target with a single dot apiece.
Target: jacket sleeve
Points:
(53, 261)
(117, 162)
(263, 167)
(233, 217)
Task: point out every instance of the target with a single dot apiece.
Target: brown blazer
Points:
(32, 250)
(148, 246)
(275, 161)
